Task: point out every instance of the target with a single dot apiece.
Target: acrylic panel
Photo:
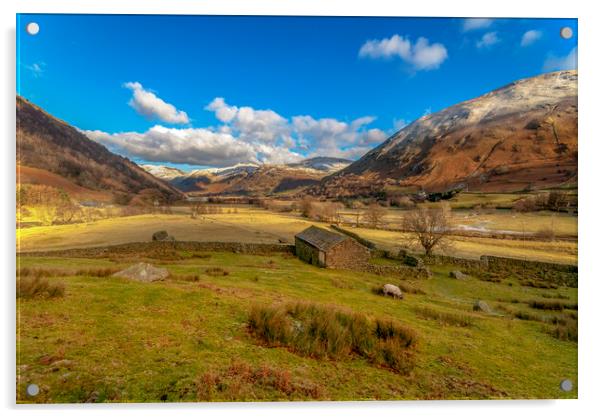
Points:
(285, 208)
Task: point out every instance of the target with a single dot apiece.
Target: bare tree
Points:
(429, 227)
(307, 207)
(374, 215)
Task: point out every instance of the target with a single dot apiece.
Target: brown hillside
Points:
(523, 135)
(49, 144)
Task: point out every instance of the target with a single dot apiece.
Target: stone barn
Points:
(324, 248)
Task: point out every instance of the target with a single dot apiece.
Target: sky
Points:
(214, 91)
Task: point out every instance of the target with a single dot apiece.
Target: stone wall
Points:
(347, 254)
(140, 248)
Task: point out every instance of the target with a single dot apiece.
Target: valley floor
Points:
(249, 224)
(187, 339)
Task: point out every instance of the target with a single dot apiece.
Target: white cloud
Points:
(568, 62)
(487, 40)
(37, 69)
(399, 124)
(333, 138)
(529, 37)
(244, 135)
(476, 23)
(421, 55)
(149, 105)
(252, 125)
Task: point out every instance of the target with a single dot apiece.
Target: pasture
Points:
(188, 339)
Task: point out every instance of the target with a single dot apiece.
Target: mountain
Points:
(520, 136)
(328, 164)
(49, 151)
(162, 171)
(251, 179)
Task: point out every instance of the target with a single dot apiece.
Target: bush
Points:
(325, 332)
(32, 287)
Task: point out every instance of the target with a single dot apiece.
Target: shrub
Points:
(325, 332)
(216, 271)
(446, 318)
(31, 287)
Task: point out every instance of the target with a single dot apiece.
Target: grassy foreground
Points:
(188, 338)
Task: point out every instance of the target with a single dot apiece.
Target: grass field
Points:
(251, 224)
(109, 339)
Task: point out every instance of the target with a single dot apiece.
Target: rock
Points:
(392, 290)
(457, 274)
(162, 236)
(482, 306)
(143, 272)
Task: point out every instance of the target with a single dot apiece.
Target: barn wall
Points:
(348, 254)
(306, 252)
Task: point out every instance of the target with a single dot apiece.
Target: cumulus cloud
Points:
(252, 125)
(567, 62)
(476, 23)
(422, 55)
(487, 40)
(529, 37)
(245, 134)
(149, 105)
(333, 138)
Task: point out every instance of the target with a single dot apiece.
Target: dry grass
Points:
(39, 287)
(216, 271)
(553, 305)
(326, 332)
(445, 318)
(242, 381)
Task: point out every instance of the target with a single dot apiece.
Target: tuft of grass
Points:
(326, 332)
(409, 288)
(243, 381)
(216, 271)
(446, 318)
(566, 331)
(39, 287)
(184, 277)
(550, 304)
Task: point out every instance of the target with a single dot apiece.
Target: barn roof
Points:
(320, 238)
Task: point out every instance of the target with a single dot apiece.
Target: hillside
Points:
(520, 136)
(53, 147)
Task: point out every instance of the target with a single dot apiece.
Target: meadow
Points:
(188, 338)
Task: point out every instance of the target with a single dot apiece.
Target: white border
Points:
(590, 164)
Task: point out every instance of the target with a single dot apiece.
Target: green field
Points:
(109, 339)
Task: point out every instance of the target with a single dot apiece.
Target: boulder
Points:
(162, 236)
(457, 274)
(393, 291)
(482, 306)
(143, 272)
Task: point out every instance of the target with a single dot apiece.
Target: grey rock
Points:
(143, 272)
(457, 274)
(482, 306)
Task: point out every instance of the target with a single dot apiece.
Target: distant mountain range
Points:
(520, 136)
(51, 152)
(251, 179)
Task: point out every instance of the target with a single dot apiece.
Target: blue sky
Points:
(197, 91)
